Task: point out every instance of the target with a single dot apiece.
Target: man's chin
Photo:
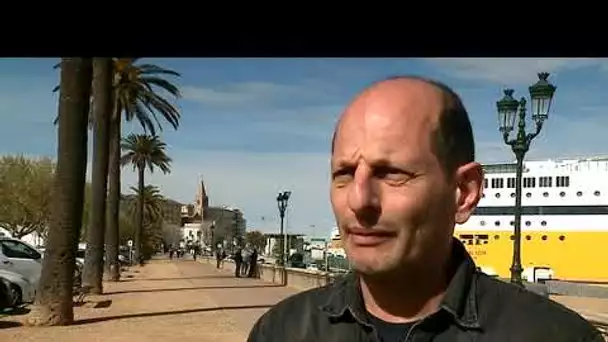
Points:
(372, 268)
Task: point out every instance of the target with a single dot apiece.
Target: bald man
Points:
(403, 174)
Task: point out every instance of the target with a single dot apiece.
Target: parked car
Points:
(23, 259)
(6, 299)
(20, 289)
(21, 266)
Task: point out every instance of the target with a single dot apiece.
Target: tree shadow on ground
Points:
(166, 313)
(211, 276)
(211, 287)
(10, 324)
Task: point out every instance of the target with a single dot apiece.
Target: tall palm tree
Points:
(153, 203)
(101, 112)
(138, 90)
(138, 94)
(153, 214)
(54, 304)
(143, 151)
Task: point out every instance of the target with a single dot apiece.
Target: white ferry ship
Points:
(564, 220)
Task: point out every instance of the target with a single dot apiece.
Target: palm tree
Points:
(143, 151)
(153, 202)
(137, 92)
(153, 214)
(101, 112)
(54, 304)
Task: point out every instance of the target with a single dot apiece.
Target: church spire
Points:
(202, 200)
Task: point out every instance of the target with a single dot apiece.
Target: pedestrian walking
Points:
(253, 264)
(238, 261)
(246, 260)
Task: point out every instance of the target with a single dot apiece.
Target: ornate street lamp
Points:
(509, 109)
(282, 200)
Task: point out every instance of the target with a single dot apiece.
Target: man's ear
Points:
(469, 187)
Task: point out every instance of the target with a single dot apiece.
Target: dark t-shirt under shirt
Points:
(390, 332)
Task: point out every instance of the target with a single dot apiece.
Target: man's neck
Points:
(406, 296)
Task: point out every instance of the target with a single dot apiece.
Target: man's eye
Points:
(392, 175)
(342, 176)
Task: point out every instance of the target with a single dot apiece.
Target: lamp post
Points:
(541, 94)
(282, 200)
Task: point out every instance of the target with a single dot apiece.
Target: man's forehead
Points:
(395, 107)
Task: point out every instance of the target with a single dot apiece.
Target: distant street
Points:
(179, 300)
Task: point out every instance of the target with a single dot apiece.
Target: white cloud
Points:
(255, 93)
(511, 70)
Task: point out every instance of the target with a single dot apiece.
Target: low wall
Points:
(297, 278)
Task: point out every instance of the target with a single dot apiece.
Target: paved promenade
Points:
(184, 300)
(179, 300)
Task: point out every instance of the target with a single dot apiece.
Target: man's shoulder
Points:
(304, 302)
(300, 315)
(504, 303)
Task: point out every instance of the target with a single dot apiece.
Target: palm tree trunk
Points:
(102, 110)
(140, 216)
(54, 303)
(112, 230)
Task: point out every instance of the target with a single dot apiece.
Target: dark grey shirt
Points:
(475, 308)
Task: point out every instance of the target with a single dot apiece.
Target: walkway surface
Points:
(179, 300)
(184, 300)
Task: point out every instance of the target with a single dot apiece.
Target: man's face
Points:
(394, 204)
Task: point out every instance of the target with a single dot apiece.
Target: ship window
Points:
(579, 193)
(497, 223)
(544, 182)
(466, 236)
(528, 195)
(485, 183)
(483, 223)
(562, 238)
(529, 182)
(596, 193)
(544, 237)
(562, 194)
(511, 182)
(562, 181)
(497, 183)
(512, 194)
(528, 237)
(545, 194)
(543, 223)
(496, 237)
(483, 195)
(512, 237)
(497, 195)
(528, 223)
(512, 222)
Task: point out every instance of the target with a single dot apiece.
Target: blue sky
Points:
(253, 127)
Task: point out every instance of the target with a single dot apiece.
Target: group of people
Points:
(245, 260)
(194, 250)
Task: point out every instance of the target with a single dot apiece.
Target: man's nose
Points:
(363, 194)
